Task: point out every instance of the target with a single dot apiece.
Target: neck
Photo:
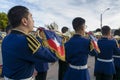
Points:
(80, 33)
(22, 29)
(107, 36)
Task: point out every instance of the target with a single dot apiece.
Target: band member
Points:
(62, 64)
(20, 50)
(104, 66)
(41, 68)
(77, 50)
(117, 57)
(98, 33)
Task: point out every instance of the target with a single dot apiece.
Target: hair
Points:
(15, 15)
(8, 28)
(77, 23)
(105, 30)
(64, 29)
(98, 30)
(117, 32)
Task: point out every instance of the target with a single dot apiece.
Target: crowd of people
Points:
(24, 55)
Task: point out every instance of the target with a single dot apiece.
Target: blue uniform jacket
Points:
(41, 66)
(77, 50)
(107, 49)
(18, 59)
(117, 59)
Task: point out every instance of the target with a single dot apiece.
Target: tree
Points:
(3, 20)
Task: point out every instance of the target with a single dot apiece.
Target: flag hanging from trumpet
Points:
(54, 42)
(94, 42)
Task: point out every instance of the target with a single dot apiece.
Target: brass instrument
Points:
(66, 36)
(117, 37)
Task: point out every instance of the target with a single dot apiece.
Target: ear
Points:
(24, 21)
(82, 28)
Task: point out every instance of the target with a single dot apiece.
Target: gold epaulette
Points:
(33, 43)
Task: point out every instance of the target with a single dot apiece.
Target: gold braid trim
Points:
(33, 43)
(33, 38)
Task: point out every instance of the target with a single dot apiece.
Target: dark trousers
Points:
(117, 75)
(41, 76)
(62, 69)
(94, 65)
(101, 76)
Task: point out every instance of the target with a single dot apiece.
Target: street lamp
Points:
(102, 15)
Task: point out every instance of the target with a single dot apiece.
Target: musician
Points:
(117, 57)
(20, 50)
(104, 67)
(41, 68)
(62, 64)
(66, 34)
(98, 33)
(77, 50)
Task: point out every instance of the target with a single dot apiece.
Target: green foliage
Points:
(3, 20)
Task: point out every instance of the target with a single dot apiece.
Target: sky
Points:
(63, 12)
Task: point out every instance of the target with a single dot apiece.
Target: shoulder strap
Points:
(33, 43)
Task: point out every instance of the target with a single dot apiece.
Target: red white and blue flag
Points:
(54, 42)
(94, 42)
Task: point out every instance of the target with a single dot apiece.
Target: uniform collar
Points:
(17, 32)
(104, 38)
(77, 35)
